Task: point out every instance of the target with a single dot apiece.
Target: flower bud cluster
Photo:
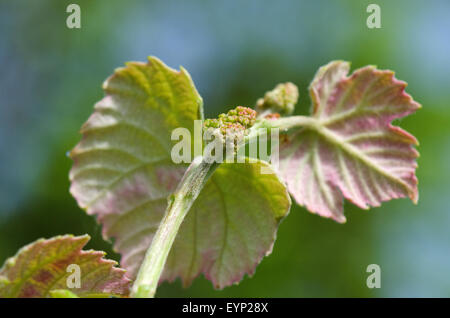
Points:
(229, 129)
(236, 120)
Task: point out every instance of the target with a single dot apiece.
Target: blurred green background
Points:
(51, 77)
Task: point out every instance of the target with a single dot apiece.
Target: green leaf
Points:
(40, 269)
(62, 293)
(231, 226)
(349, 147)
(126, 142)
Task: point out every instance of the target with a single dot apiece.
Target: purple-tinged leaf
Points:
(226, 233)
(126, 142)
(123, 171)
(40, 270)
(352, 150)
(231, 226)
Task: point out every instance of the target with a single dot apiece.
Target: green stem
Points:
(283, 123)
(179, 204)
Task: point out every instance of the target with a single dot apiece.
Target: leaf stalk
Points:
(179, 204)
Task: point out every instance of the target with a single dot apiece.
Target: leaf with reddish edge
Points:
(126, 144)
(123, 166)
(40, 269)
(351, 150)
(231, 226)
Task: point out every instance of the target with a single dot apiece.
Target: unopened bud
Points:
(281, 99)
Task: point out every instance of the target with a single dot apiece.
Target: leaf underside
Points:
(228, 230)
(40, 270)
(231, 226)
(123, 174)
(353, 151)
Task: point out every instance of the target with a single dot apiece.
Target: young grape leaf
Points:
(352, 150)
(126, 142)
(231, 226)
(40, 269)
(123, 174)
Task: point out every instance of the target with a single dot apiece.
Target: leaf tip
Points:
(340, 219)
(414, 193)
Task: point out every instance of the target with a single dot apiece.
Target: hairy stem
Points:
(283, 123)
(179, 204)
